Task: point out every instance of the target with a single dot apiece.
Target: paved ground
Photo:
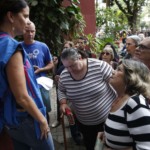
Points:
(57, 132)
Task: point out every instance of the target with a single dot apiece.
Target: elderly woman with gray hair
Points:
(132, 43)
(128, 124)
(84, 82)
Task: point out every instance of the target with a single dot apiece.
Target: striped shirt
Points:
(129, 124)
(92, 96)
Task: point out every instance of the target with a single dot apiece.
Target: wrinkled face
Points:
(20, 20)
(71, 65)
(29, 33)
(106, 56)
(143, 51)
(117, 78)
(131, 46)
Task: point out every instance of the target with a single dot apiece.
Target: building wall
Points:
(88, 11)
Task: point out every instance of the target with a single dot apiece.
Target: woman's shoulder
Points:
(64, 73)
(137, 101)
(10, 40)
(94, 60)
(9, 47)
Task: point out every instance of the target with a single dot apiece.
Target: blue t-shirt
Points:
(39, 55)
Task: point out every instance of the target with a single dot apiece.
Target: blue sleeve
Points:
(48, 56)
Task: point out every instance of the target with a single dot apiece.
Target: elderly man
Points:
(142, 52)
(132, 43)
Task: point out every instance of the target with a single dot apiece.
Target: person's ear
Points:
(10, 16)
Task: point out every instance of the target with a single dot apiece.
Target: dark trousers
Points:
(90, 134)
(75, 132)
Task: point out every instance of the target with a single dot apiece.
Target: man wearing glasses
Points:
(142, 52)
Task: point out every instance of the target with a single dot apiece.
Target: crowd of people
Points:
(108, 95)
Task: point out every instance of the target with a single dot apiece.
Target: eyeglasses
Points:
(142, 47)
(106, 53)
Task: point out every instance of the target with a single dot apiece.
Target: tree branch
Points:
(120, 7)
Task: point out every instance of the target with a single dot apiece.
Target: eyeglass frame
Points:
(143, 47)
(107, 53)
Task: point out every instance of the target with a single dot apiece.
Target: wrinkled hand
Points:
(44, 129)
(63, 108)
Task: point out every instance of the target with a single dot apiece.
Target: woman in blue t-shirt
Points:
(22, 111)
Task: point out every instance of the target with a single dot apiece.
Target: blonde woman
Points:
(107, 55)
(128, 123)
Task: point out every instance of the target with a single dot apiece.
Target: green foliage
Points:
(110, 20)
(102, 41)
(92, 43)
(54, 22)
(131, 9)
(96, 45)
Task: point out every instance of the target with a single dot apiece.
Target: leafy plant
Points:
(131, 10)
(54, 22)
(96, 45)
(110, 21)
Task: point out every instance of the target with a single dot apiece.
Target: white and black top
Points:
(130, 125)
(91, 96)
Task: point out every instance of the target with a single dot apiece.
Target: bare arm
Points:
(17, 83)
(47, 68)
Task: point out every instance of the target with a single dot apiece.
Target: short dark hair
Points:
(83, 38)
(82, 53)
(14, 6)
